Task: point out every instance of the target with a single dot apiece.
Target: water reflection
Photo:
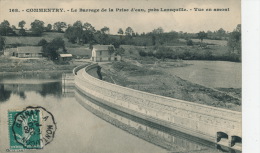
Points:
(51, 88)
(67, 85)
(166, 138)
(4, 94)
(60, 86)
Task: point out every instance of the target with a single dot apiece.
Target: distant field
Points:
(217, 50)
(34, 40)
(209, 41)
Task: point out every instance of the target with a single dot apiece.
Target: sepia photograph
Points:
(121, 76)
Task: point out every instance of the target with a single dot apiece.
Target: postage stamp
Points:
(31, 128)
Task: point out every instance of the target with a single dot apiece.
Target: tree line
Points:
(85, 33)
(37, 27)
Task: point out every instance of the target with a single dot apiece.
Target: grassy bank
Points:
(19, 65)
(146, 77)
(214, 53)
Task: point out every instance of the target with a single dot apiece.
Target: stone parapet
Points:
(196, 119)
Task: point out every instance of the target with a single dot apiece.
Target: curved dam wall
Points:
(206, 122)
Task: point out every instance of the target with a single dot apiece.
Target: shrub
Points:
(189, 42)
(208, 55)
(42, 42)
(150, 53)
(142, 53)
(130, 51)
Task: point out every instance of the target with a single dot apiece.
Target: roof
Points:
(65, 55)
(29, 49)
(10, 50)
(79, 51)
(102, 47)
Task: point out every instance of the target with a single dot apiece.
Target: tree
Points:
(70, 33)
(234, 41)
(202, 35)
(238, 28)
(88, 27)
(111, 50)
(21, 24)
(59, 43)
(42, 42)
(120, 51)
(101, 36)
(88, 33)
(120, 31)
(5, 29)
(153, 40)
(13, 27)
(48, 28)
(5, 23)
(105, 30)
(115, 42)
(2, 43)
(210, 34)
(50, 49)
(58, 26)
(78, 30)
(75, 32)
(22, 32)
(37, 27)
(221, 33)
(158, 30)
(129, 31)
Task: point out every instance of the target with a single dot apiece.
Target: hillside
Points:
(33, 41)
(150, 77)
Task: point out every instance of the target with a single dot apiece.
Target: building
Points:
(100, 53)
(10, 51)
(29, 52)
(65, 57)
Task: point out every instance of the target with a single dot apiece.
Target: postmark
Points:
(32, 128)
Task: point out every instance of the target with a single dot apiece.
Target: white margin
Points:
(251, 75)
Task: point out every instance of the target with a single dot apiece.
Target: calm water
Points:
(86, 126)
(214, 74)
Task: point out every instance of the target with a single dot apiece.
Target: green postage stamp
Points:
(32, 128)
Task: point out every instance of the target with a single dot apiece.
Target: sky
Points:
(186, 21)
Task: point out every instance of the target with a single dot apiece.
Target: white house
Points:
(100, 53)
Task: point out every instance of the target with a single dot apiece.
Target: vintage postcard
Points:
(120, 76)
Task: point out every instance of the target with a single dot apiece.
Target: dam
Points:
(215, 125)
